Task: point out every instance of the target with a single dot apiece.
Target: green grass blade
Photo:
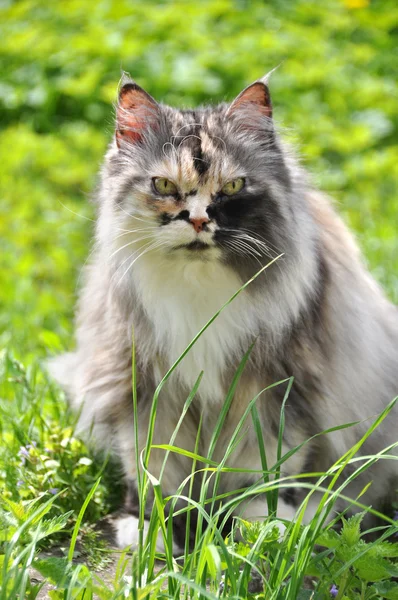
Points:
(79, 521)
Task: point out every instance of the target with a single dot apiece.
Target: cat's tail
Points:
(63, 370)
(92, 405)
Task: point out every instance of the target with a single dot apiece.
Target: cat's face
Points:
(206, 184)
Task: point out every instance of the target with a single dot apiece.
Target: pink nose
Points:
(199, 224)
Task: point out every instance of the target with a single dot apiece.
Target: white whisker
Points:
(155, 245)
(134, 216)
(255, 236)
(128, 244)
(128, 258)
(243, 249)
(261, 246)
(131, 231)
(75, 213)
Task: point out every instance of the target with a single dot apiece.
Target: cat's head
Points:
(205, 184)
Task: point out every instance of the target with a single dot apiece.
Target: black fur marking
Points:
(165, 219)
(258, 212)
(131, 504)
(196, 245)
(289, 496)
(179, 528)
(201, 163)
(182, 216)
(259, 215)
(191, 137)
(315, 311)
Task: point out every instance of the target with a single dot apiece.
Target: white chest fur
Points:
(179, 297)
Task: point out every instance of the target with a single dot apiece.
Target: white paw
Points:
(127, 535)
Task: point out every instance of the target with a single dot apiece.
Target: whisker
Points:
(265, 250)
(187, 137)
(135, 230)
(128, 258)
(131, 231)
(265, 245)
(257, 236)
(243, 249)
(173, 148)
(157, 244)
(261, 247)
(128, 244)
(245, 244)
(260, 244)
(134, 216)
(75, 213)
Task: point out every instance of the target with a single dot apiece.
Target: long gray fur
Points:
(316, 313)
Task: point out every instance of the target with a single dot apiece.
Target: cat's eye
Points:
(164, 186)
(233, 187)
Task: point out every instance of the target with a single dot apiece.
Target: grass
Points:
(333, 96)
(280, 557)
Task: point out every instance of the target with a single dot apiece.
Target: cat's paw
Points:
(127, 534)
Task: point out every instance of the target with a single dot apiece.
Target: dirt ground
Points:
(106, 573)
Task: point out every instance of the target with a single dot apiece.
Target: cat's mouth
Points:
(196, 245)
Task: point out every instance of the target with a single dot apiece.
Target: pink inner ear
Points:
(256, 94)
(136, 111)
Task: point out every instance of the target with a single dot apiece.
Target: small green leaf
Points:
(56, 569)
(386, 589)
(16, 508)
(51, 526)
(351, 531)
(329, 538)
(385, 549)
(56, 595)
(372, 569)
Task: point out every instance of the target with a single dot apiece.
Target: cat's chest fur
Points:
(179, 297)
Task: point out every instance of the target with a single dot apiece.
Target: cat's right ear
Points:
(136, 112)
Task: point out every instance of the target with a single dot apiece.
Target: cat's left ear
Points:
(254, 100)
(136, 112)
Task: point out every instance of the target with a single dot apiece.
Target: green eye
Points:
(164, 186)
(233, 187)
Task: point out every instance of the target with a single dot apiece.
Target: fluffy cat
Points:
(191, 204)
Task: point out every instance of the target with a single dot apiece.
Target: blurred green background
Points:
(334, 97)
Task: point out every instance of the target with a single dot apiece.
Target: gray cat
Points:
(192, 203)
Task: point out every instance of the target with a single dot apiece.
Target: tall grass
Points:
(279, 556)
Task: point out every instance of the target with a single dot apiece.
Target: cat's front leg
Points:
(171, 469)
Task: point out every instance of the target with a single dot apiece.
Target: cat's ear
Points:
(136, 112)
(254, 100)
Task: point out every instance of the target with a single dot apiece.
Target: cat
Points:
(191, 205)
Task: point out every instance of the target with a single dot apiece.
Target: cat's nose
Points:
(199, 223)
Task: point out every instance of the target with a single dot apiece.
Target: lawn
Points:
(334, 97)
